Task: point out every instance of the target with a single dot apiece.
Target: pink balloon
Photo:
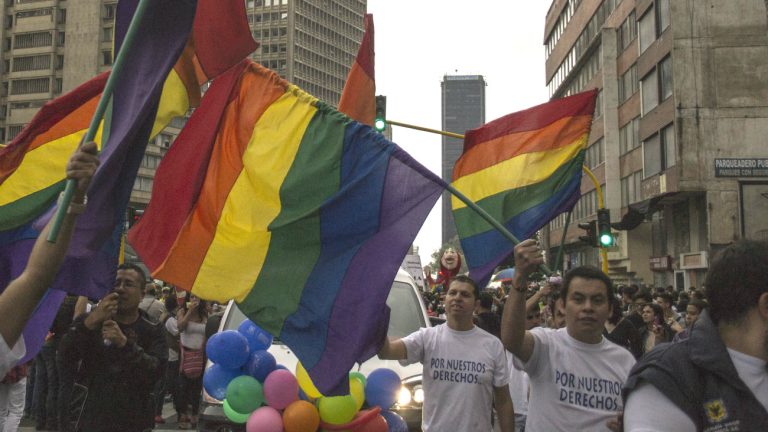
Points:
(281, 389)
(264, 419)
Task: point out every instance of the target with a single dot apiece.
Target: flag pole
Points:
(494, 223)
(106, 95)
(424, 129)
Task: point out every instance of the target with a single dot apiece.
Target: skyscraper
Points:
(312, 45)
(462, 108)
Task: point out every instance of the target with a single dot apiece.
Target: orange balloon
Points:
(301, 416)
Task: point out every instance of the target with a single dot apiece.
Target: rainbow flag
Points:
(358, 98)
(300, 214)
(523, 169)
(160, 81)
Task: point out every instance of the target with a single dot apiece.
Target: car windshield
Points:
(405, 316)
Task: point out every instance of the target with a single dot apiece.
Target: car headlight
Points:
(418, 394)
(404, 396)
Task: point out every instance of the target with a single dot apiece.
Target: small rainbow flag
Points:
(523, 169)
(300, 214)
(358, 99)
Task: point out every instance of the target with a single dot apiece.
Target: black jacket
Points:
(120, 381)
(697, 375)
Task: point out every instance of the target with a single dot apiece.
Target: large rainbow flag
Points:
(358, 98)
(161, 80)
(300, 214)
(523, 169)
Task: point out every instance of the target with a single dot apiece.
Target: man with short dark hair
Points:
(673, 319)
(486, 319)
(465, 369)
(150, 304)
(715, 380)
(123, 352)
(576, 375)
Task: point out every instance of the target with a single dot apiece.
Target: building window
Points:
(143, 184)
(647, 29)
(662, 6)
(14, 130)
(627, 31)
(595, 154)
(106, 34)
(108, 13)
(628, 136)
(652, 156)
(62, 37)
(28, 63)
(62, 16)
(665, 77)
(628, 84)
(28, 86)
(150, 161)
(57, 85)
(33, 40)
(668, 144)
(649, 92)
(630, 188)
(106, 58)
(34, 13)
(59, 62)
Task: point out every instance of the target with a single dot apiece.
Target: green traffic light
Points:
(606, 240)
(380, 124)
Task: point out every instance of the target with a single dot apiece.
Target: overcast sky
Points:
(419, 41)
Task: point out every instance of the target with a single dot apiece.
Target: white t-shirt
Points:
(519, 386)
(667, 416)
(574, 385)
(9, 357)
(461, 368)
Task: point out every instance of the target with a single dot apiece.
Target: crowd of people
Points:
(570, 353)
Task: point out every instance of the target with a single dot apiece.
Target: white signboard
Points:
(412, 264)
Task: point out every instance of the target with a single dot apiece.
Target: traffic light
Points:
(380, 121)
(590, 236)
(133, 216)
(604, 234)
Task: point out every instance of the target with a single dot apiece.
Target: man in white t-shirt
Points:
(715, 380)
(576, 375)
(465, 368)
(22, 295)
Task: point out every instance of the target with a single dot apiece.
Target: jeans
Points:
(66, 377)
(12, 398)
(50, 407)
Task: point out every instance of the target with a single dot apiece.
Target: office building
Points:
(462, 108)
(52, 46)
(678, 140)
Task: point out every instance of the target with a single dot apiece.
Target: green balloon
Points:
(337, 409)
(359, 376)
(245, 394)
(233, 415)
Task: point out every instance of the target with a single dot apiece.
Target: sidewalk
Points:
(28, 425)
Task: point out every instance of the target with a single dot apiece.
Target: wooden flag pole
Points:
(106, 95)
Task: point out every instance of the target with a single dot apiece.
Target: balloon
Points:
(357, 390)
(359, 376)
(233, 415)
(260, 365)
(265, 419)
(305, 382)
(216, 380)
(360, 419)
(301, 416)
(382, 387)
(395, 422)
(377, 424)
(280, 389)
(258, 338)
(245, 394)
(337, 409)
(228, 348)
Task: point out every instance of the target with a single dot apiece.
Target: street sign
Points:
(741, 167)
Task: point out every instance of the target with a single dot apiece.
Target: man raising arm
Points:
(575, 374)
(465, 368)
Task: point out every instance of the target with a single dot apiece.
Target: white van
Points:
(407, 315)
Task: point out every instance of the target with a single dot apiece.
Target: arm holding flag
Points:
(22, 295)
(515, 338)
